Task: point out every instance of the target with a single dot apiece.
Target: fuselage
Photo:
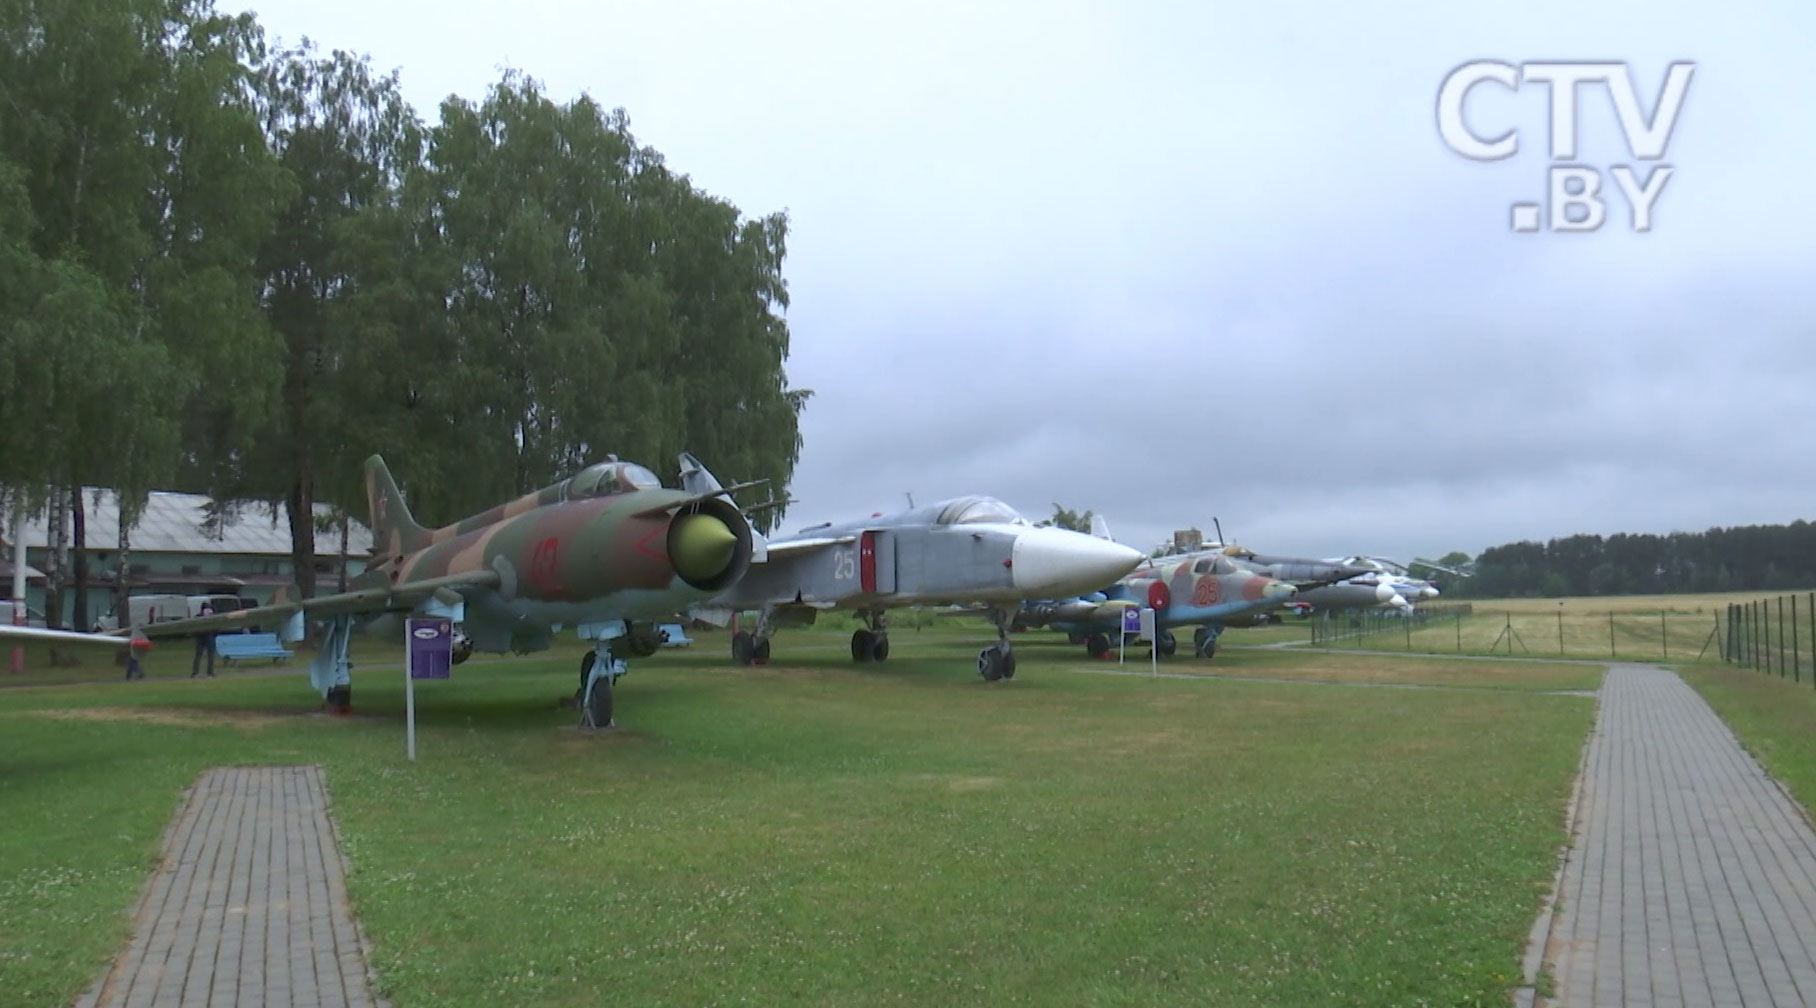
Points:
(969, 549)
(608, 544)
(1190, 589)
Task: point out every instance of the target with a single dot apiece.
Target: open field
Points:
(815, 832)
(1774, 718)
(1627, 628)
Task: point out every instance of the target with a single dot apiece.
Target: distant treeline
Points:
(1753, 557)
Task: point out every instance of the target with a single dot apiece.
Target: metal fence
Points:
(1530, 631)
(1772, 635)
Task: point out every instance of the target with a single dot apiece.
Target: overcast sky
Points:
(1171, 261)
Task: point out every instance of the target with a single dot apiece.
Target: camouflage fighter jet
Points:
(1204, 589)
(968, 550)
(599, 551)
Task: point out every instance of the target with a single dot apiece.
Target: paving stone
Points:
(1691, 877)
(249, 907)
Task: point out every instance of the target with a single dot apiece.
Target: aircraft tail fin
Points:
(696, 478)
(1101, 528)
(394, 530)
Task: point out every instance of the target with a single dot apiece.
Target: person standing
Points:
(204, 644)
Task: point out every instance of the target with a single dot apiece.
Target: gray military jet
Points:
(967, 550)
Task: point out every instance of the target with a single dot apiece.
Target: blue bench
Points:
(674, 636)
(231, 646)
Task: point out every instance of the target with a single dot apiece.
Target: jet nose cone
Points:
(1278, 589)
(701, 546)
(1050, 561)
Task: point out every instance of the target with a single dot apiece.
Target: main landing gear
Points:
(753, 648)
(1204, 640)
(599, 674)
(871, 644)
(998, 660)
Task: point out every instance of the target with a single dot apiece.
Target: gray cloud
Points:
(1170, 261)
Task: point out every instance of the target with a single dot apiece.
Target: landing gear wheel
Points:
(743, 647)
(860, 645)
(599, 705)
(463, 646)
(586, 669)
(879, 646)
(1204, 643)
(760, 655)
(990, 664)
(1008, 664)
(339, 700)
(1098, 645)
(1166, 645)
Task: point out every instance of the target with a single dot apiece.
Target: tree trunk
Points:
(78, 516)
(302, 531)
(56, 540)
(123, 583)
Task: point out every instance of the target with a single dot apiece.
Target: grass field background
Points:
(816, 832)
(1670, 628)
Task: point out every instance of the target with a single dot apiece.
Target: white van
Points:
(143, 609)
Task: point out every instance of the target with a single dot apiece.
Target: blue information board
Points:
(431, 653)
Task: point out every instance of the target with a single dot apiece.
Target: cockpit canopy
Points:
(1215, 565)
(977, 510)
(604, 479)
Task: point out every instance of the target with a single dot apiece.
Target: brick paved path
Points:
(1692, 877)
(249, 908)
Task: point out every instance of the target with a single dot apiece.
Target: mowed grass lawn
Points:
(813, 832)
(1774, 717)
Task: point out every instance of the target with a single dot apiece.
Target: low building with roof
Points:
(177, 547)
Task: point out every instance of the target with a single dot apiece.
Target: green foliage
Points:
(1066, 518)
(1754, 557)
(239, 271)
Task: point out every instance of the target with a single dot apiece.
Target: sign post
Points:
(1131, 624)
(428, 654)
(1151, 630)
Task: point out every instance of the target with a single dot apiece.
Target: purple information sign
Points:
(431, 648)
(1131, 620)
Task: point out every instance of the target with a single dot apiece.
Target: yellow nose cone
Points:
(700, 546)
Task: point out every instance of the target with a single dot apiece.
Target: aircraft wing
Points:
(792, 546)
(41, 635)
(398, 598)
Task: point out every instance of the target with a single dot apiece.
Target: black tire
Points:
(860, 645)
(463, 647)
(1098, 645)
(761, 654)
(1008, 665)
(879, 647)
(990, 664)
(599, 706)
(586, 669)
(743, 648)
(1167, 644)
